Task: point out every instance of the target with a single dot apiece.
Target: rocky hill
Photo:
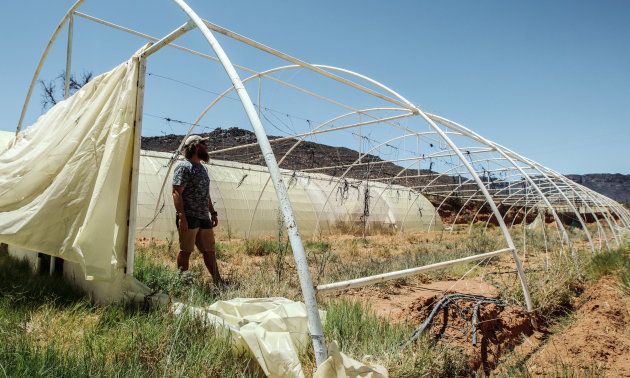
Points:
(613, 185)
(240, 145)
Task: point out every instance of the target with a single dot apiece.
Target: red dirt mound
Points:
(499, 328)
(597, 341)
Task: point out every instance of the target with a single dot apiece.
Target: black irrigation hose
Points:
(443, 303)
(475, 317)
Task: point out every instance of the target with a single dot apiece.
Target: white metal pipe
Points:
(541, 170)
(135, 166)
(306, 283)
(602, 210)
(66, 83)
(169, 38)
(295, 145)
(66, 94)
(604, 203)
(364, 281)
(42, 59)
(317, 132)
(575, 193)
(495, 210)
(565, 236)
(229, 33)
(249, 70)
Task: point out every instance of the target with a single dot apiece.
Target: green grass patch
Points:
(49, 329)
(187, 286)
(260, 247)
(359, 332)
(317, 246)
(611, 262)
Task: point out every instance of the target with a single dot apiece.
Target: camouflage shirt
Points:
(196, 182)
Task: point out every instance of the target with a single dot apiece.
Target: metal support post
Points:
(135, 166)
(306, 283)
(66, 83)
(168, 39)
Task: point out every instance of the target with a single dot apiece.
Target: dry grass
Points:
(60, 328)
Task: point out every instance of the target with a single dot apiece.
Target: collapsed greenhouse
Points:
(77, 185)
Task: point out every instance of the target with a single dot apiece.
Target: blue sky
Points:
(550, 80)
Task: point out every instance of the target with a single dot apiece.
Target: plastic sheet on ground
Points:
(64, 183)
(275, 331)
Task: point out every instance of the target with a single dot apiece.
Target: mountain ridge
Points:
(239, 145)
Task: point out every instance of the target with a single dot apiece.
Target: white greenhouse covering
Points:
(65, 183)
(246, 210)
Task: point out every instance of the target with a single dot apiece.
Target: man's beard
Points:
(203, 155)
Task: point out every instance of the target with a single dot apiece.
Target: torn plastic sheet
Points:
(64, 183)
(275, 331)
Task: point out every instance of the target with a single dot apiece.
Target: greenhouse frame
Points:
(407, 166)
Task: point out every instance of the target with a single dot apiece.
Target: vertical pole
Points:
(135, 166)
(493, 206)
(524, 223)
(66, 83)
(306, 283)
(418, 153)
(259, 94)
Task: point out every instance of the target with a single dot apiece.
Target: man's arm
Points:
(179, 206)
(213, 213)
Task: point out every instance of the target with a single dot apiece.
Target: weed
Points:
(615, 262)
(480, 241)
(281, 248)
(354, 327)
(170, 281)
(607, 263)
(319, 246)
(320, 255)
(259, 247)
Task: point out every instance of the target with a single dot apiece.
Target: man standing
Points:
(195, 213)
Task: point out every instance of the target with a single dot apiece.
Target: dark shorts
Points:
(193, 222)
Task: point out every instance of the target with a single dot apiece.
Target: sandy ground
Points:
(500, 328)
(594, 341)
(597, 339)
(401, 302)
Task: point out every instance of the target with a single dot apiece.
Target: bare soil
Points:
(500, 328)
(594, 340)
(597, 339)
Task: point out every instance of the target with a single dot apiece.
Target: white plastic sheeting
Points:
(275, 331)
(319, 201)
(64, 184)
(6, 138)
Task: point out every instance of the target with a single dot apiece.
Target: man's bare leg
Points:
(210, 260)
(187, 246)
(205, 244)
(183, 260)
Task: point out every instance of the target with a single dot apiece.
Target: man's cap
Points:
(192, 139)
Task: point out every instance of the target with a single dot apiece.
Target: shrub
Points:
(479, 242)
